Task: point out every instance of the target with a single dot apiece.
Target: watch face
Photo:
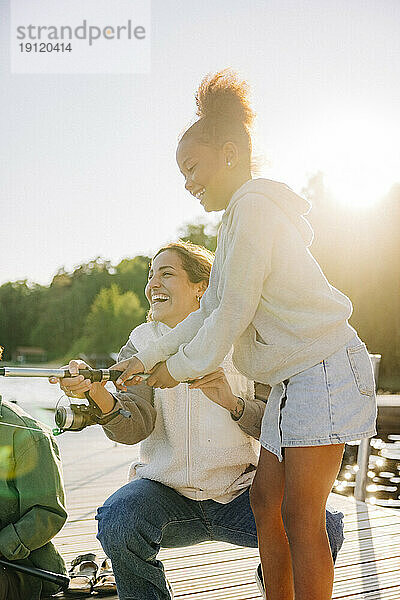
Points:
(237, 412)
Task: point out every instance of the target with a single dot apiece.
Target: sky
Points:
(87, 162)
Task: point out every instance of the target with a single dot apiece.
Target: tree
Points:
(112, 317)
(131, 276)
(203, 234)
(19, 310)
(65, 304)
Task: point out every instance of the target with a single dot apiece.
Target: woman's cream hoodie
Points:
(188, 442)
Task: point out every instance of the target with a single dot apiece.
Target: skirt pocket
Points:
(362, 369)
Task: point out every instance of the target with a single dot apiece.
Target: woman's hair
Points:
(224, 112)
(196, 261)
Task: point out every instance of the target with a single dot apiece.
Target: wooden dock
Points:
(368, 566)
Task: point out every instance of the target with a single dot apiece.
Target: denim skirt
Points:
(330, 403)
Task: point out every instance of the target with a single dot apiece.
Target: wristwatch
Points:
(238, 411)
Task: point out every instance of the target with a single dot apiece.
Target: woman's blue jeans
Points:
(145, 515)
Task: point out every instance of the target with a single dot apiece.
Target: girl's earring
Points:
(228, 164)
(198, 299)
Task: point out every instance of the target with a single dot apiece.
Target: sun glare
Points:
(359, 159)
(360, 192)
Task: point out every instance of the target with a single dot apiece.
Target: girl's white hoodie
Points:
(267, 296)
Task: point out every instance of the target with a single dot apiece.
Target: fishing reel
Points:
(76, 417)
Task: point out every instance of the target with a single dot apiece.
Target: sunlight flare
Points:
(359, 158)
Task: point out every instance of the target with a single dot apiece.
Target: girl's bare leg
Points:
(266, 500)
(309, 476)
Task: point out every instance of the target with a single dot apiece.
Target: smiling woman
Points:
(177, 282)
(196, 444)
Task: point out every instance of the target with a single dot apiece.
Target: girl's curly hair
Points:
(223, 96)
(224, 111)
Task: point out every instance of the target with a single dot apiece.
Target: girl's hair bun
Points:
(224, 113)
(223, 96)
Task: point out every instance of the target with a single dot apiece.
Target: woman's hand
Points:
(75, 387)
(160, 377)
(129, 367)
(216, 387)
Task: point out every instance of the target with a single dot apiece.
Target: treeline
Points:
(92, 309)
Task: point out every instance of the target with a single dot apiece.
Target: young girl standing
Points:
(289, 327)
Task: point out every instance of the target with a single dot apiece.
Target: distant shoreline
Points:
(31, 365)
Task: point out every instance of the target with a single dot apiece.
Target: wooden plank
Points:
(367, 567)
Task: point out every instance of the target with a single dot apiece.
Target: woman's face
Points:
(206, 174)
(171, 295)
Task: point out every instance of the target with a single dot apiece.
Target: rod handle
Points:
(96, 374)
(101, 374)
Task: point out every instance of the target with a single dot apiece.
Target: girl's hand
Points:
(216, 387)
(129, 367)
(161, 378)
(74, 387)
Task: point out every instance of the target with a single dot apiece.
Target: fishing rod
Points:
(74, 417)
(56, 578)
(93, 375)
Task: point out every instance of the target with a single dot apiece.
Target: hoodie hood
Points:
(294, 206)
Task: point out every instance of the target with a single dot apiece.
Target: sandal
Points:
(82, 574)
(105, 582)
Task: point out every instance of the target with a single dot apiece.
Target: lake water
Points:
(34, 394)
(38, 397)
(383, 487)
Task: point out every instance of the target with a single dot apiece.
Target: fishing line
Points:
(21, 427)
(55, 431)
